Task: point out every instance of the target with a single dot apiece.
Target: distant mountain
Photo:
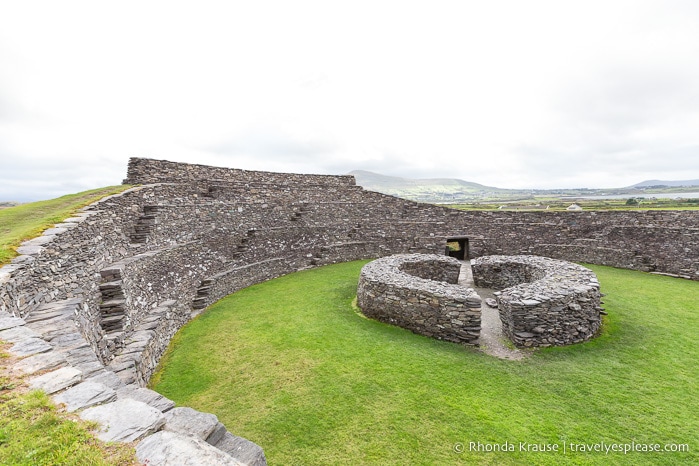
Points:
(454, 191)
(371, 180)
(425, 190)
(5, 204)
(658, 183)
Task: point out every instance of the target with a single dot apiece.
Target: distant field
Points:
(27, 221)
(291, 365)
(557, 204)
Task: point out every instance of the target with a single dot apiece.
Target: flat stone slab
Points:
(41, 362)
(29, 249)
(51, 382)
(30, 346)
(124, 420)
(84, 395)
(243, 450)
(192, 422)
(108, 378)
(17, 334)
(171, 448)
(69, 341)
(10, 322)
(147, 396)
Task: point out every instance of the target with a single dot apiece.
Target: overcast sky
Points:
(511, 94)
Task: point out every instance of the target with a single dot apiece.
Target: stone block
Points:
(30, 346)
(191, 422)
(124, 420)
(146, 395)
(57, 380)
(171, 448)
(84, 395)
(243, 450)
(41, 362)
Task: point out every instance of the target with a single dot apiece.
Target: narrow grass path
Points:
(290, 365)
(27, 221)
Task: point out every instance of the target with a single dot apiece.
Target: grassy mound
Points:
(290, 365)
(27, 221)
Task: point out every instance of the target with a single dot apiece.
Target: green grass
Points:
(33, 432)
(27, 221)
(291, 366)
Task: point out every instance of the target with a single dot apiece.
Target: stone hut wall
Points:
(543, 302)
(389, 292)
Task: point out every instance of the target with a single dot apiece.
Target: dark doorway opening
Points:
(457, 247)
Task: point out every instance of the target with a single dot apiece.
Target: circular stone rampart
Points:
(542, 302)
(419, 292)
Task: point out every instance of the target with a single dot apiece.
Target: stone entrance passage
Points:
(492, 341)
(457, 247)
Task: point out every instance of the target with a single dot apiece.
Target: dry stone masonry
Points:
(542, 302)
(419, 292)
(104, 292)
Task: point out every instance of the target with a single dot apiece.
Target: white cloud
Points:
(505, 93)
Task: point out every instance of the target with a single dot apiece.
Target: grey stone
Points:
(57, 380)
(84, 395)
(108, 378)
(170, 448)
(243, 450)
(491, 302)
(191, 422)
(30, 346)
(124, 420)
(146, 395)
(17, 334)
(41, 362)
(10, 322)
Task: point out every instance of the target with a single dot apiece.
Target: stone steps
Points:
(145, 224)
(112, 306)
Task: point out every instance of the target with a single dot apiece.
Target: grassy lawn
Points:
(290, 365)
(27, 221)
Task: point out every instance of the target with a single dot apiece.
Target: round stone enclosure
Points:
(419, 292)
(542, 301)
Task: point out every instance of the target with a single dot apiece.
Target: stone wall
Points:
(650, 241)
(149, 171)
(543, 302)
(428, 302)
(138, 265)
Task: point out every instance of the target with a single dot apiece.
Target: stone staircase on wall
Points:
(201, 298)
(144, 225)
(112, 306)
